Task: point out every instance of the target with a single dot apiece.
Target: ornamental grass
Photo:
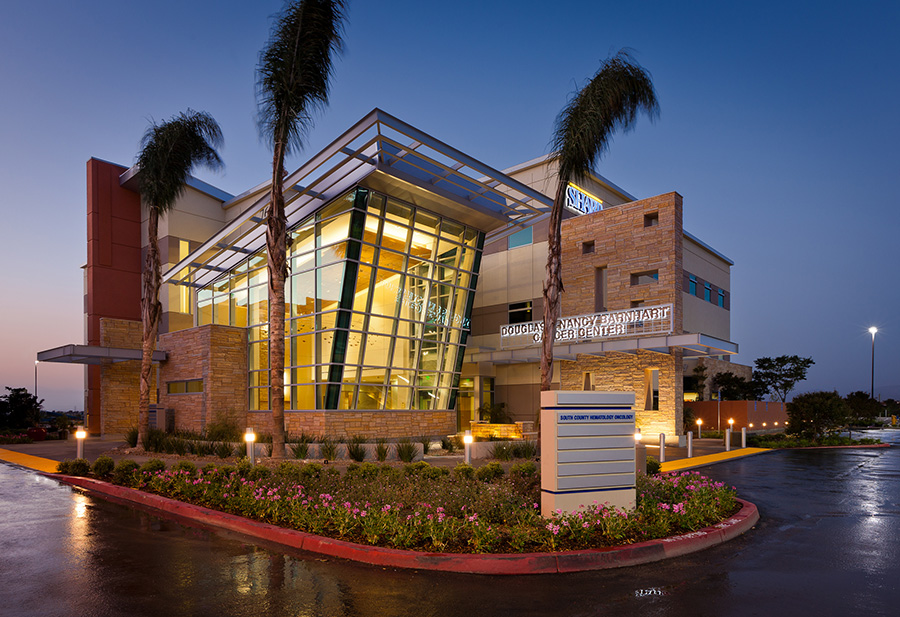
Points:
(425, 508)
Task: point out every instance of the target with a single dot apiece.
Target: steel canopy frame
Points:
(379, 142)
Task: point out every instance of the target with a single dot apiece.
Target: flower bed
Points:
(420, 507)
(9, 438)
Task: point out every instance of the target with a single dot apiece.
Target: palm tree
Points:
(169, 151)
(292, 82)
(609, 102)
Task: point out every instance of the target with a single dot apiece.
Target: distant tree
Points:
(736, 388)
(688, 418)
(292, 81)
(696, 381)
(495, 413)
(891, 406)
(863, 408)
(817, 414)
(610, 102)
(19, 408)
(782, 374)
(169, 151)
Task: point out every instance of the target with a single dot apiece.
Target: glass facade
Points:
(378, 300)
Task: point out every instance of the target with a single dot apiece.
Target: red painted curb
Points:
(871, 445)
(500, 564)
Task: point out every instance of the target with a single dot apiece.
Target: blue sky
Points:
(777, 125)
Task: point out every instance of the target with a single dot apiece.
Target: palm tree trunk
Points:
(553, 286)
(276, 245)
(150, 312)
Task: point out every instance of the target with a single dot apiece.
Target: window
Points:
(692, 285)
(707, 292)
(588, 382)
(520, 238)
(599, 290)
(651, 389)
(637, 303)
(721, 298)
(520, 312)
(190, 386)
(651, 220)
(587, 247)
(640, 278)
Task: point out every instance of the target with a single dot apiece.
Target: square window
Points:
(641, 278)
(587, 247)
(520, 312)
(521, 238)
(651, 220)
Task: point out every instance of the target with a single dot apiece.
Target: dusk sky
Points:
(778, 126)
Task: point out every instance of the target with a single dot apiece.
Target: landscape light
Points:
(699, 428)
(467, 441)
(250, 437)
(80, 436)
(637, 436)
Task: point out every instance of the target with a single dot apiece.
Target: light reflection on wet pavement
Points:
(827, 544)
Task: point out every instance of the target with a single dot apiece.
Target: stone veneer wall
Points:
(120, 381)
(624, 246)
(217, 355)
(372, 424)
(714, 366)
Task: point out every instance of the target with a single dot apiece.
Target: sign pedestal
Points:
(587, 450)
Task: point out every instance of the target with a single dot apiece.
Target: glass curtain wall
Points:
(379, 298)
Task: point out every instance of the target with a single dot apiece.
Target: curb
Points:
(497, 564)
(860, 447)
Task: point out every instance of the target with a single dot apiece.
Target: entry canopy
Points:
(383, 153)
(93, 354)
(694, 344)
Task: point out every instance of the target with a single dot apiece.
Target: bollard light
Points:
(250, 438)
(662, 447)
(699, 428)
(80, 436)
(467, 443)
(731, 422)
(637, 436)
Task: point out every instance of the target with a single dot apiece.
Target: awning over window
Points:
(93, 354)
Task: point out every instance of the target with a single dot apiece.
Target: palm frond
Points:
(610, 102)
(170, 150)
(295, 67)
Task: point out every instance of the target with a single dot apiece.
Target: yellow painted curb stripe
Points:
(699, 461)
(26, 460)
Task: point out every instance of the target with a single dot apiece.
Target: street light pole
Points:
(35, 380)
(872, 331)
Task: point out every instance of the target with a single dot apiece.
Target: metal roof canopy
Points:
(695, 344)
(390, 151)
(93, 354)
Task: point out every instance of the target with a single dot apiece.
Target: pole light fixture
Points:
(873, 330)
(35, 380)
(699, 428)
(467, 444)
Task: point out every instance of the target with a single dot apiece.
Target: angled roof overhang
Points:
(383, 153)
(93, 354)
(694, 344)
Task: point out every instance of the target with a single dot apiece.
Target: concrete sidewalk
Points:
(43, 455)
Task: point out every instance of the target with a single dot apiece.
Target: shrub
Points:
(464, 471)
(80, 467)
(524, 448)
(124, 472)
(817, 414)
(223, 429)
(63, 467)
(186, 466)
(368, 471)
(448, 445)
(502, 450)
(287, 471)
(259, 472)
(223, 449)
(489, 472)
(131, 437)
(356, 448)
(406, 450)
(653, 466)
(381, 450)
(103, 467)
(155, 440)
(526, 470)
(328, 449)
(310, 471)
(300, 449)
(425, 440)
(210, 468)
(243, 466)
(152, 466)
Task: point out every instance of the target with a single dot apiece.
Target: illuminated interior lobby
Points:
(407, 260)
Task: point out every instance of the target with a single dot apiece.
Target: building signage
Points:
(612, 324)
(564, 418)
(581, 201)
